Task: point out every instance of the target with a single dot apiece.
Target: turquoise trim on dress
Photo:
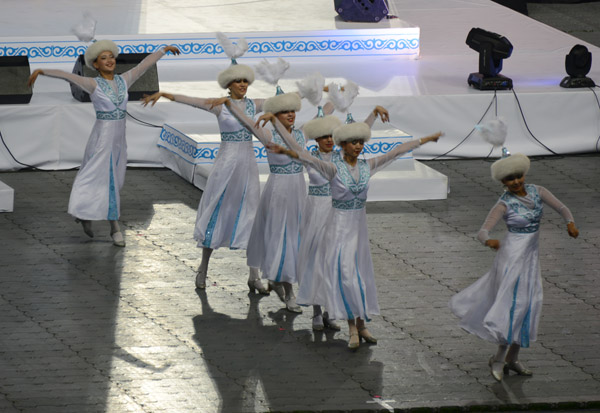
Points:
(362, 292)
(117, 98)
(212, 222)
(237, 218)
(512, 312)
(242, 135)
(113, 211)
(346, 305)
(356, 203)
(287, 169)
(282, 260)
(320, 190)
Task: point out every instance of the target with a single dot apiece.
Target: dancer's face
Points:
(354, 147)
(286, 118)
(325, 143)
(105, 62)
(515, 184)
(238, 88)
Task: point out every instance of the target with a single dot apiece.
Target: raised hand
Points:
(382, 113)
(172, 49)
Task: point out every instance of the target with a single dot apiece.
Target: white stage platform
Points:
(191, 156)
(7, 198)
(423, 94)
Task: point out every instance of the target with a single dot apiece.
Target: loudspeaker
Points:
(14, 73)
(361, 10)
(147, 84)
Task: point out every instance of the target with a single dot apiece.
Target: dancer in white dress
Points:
(230, 198)
(317, 213)
(95, 193)
(343, 263)
(504, 306)
(273, 244)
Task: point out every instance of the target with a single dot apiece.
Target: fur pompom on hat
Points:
(319, 127)
(282, 103)
(233, 72)
(94, 50)
(351, 131)
(511, 165)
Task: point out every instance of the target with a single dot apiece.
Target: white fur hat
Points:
(233, 72)
(282, 103)
(351, 131)
(94, 50)
(513, 164)
(320, 127)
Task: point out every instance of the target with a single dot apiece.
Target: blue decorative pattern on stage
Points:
(177, 142)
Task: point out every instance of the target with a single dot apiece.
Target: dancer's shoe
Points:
(517, 367)
(496, 368)
(354, 341)
(278, 288)
(257, 286)
(290, 304)
(87, 226)
(201, 279)
(317, 323)
(365, 335)
(329, 323)
(118, 239)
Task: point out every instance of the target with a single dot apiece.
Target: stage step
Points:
(7, 198)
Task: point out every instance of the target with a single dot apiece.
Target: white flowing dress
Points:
(343, 262)
(504, 306)
(229, 202)
(317, 212)
(95, 193)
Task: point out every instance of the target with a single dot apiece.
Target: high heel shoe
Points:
(329, 323)
(118, 239)
(256, 285)
(279, 290)
(365, 335)
(87, 226)
(517, 367)
(290, 304)
(201, 279)
(354, 341)
(497, 368)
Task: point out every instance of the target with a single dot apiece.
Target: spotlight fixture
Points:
(492, 49)
(578, 64)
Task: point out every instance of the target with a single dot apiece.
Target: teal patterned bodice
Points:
(292, 167)
(117, 97)
(323, 189)
(356, 188)
(519, 217)
(242, 135)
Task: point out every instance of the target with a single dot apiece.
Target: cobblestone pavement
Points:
(90, 327)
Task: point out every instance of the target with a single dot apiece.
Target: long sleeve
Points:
(370, 120)
(199, 103)
(135, 73)
(555, 204)
(327, 169)
(263, 135)
(258, 103)
(88, 84)
(379, 162)
(495, 215)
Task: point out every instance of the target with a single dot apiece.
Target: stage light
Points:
(492, 49)
(578, 64)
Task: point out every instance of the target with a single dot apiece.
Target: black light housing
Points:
(578, 64)
(492, 49)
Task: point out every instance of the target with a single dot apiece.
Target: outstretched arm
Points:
(379, 162)
(210, 105)
(135, 73)
(88, 84)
